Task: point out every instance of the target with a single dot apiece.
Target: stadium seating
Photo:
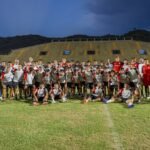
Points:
(103, 50)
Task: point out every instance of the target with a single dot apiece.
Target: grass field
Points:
(74, 126)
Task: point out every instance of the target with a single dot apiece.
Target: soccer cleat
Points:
(130, 106)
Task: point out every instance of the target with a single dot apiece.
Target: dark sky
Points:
(67, 17)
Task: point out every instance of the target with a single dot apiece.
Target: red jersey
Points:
(2, 75)
(146, 75)
(117, 65)
(136, 65)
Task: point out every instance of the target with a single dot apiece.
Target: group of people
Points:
(125, 81)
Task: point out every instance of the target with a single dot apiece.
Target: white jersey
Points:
(98, 91)
(18, 75)
(99, 78)
(56, 91)
(89, 77)
(140, 67)
(126, 94)
(114, 80)
(29, 80)
(133, 75)
(15, 66)
(126, 67)
(8, 77)
(41, 92)
(47, 79)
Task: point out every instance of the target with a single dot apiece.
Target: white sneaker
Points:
(64, 99)
(148, 97)
(53, 101)
(1, 98)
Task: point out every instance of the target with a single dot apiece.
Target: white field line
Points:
(116, 138)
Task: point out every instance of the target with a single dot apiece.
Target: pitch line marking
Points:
(115, 135)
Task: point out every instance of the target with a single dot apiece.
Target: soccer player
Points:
(75, 81)
(146, 77)
(62, 80)
(69, 74)
(47, 79)
(28, 79)
(7, 78)
(125, 95)
(123, 78)
(40, 95)
(38, 77)
(135, 98)
(117, 64)
(16, 64)
(17, 81)
(89, 80)
(133, 76)
(113, 83)
(56, 93)
(97, 94)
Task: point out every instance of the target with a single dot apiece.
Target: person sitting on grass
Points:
(56, 93)
(97, 94)
(40, 95)
(135, 98)
(124, 95)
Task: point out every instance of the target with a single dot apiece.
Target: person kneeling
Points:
(40, 95)
(56, 93)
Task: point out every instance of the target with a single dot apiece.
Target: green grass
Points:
(73, 126)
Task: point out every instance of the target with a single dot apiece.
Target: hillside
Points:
(9, 43)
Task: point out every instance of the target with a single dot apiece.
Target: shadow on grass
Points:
(75, 99)
(30, 101)
(24, 101)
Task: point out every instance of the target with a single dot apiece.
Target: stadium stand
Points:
(79, 50)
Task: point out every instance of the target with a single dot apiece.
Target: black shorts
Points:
(94, 97)
(9, 84)
(15, 84)
(57, 97)
(124, 99)
(121, 85)
(62, 85)
(112, 87)
(75, 85)
(83, 83)
(21, 85)
(105, 83)
(132, 85)
(48, 87)
(69, 84)
(89, 85)
(40, 99)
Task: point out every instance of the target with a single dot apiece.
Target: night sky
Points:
(57, 18)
